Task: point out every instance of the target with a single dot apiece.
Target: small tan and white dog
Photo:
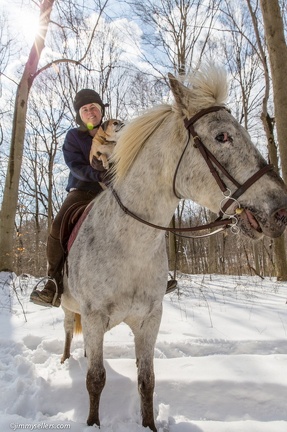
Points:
(104, 142)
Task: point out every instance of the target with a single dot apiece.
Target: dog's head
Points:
(110, 128)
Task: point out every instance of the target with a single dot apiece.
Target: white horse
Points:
(117, 266)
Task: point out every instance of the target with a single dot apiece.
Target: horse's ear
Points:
(179, 92)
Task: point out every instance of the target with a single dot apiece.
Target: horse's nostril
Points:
(281, 215)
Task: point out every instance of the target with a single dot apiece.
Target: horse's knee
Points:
(96, 379)
(146, 385)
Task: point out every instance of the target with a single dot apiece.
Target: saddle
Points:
(71, 223)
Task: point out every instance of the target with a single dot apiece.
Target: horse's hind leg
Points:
(145, 338)
(69, 331)
(93, 331)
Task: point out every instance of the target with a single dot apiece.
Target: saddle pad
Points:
(78, 225)
(75, 213)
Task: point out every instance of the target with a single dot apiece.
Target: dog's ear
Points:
(105, 125)
(96, 164)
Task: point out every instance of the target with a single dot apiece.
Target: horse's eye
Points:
(223, 137)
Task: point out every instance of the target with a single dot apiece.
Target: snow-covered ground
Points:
(220, 362)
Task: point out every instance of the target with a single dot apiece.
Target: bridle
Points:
(212, 163)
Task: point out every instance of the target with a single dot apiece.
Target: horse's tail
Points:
(77, 324)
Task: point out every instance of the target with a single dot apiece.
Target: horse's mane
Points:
(134, 135)
(209, 87)
(206, 87)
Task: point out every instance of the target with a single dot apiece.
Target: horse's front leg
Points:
(145, 338)
(93, 331)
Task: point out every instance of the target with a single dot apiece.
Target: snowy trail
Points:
(220, 363)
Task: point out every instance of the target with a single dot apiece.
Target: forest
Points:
(124, 50)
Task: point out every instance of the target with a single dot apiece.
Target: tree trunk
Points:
(10, 195)
(172, 248)
(256, 258)
(277, 49)
(212, 248)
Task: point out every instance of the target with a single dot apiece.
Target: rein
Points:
(169, 229)
(211, 161)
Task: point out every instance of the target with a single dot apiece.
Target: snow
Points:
(220, 361)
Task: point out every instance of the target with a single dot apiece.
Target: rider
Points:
(83, 186)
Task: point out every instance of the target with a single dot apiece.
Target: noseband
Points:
(212, 163)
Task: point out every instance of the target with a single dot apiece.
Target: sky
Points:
(23, 17)
(24, 14)
(220, 361)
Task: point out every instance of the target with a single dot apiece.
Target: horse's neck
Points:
(147, 192)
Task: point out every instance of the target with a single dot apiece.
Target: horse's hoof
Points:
(93, 422)
(64, 358)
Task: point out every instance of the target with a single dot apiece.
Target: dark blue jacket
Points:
(76, 150)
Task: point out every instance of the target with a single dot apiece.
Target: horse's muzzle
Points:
(256, 224)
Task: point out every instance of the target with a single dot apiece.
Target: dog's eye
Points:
(115, 123)
(224, 137)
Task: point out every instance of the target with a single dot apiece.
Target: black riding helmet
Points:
(84, 97)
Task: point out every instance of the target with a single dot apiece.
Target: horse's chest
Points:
(129, 309)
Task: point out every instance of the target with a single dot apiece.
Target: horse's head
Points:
(259, 207)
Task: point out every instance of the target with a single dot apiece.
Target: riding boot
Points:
(50, 295)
